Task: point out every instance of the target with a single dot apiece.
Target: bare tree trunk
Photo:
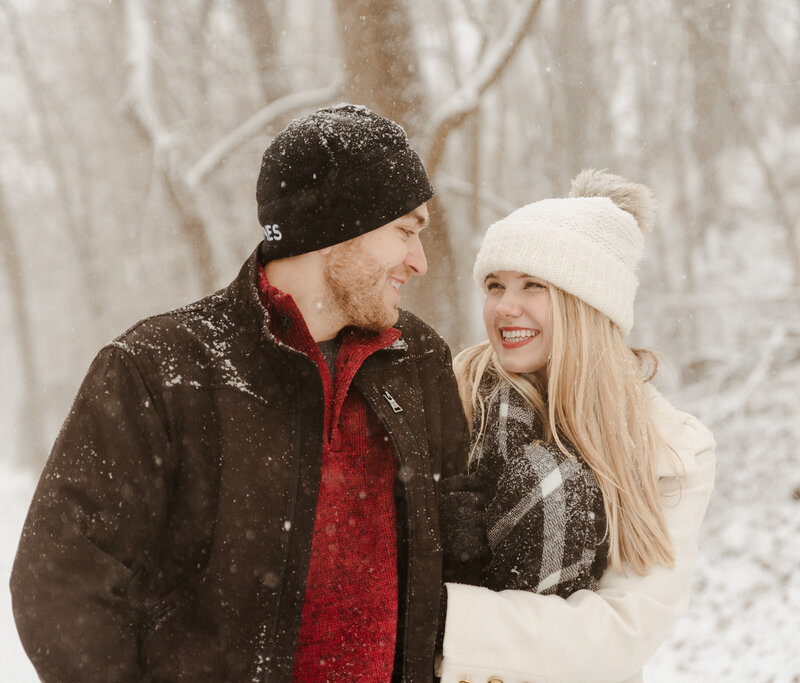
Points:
(647, 134)
(576, 112)
(31, 448)
(686, 326)
(261, 22)
(383, 73)
(195, 25)
(74, 216)
(709, 141)
(145, 112)
(708, 50)
(380, 57)
(474, 167)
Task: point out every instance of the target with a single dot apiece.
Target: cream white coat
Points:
(592, 637)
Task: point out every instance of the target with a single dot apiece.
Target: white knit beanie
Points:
(586, 246)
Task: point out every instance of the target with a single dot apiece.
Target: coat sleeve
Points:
(591, 637)
(96, 509)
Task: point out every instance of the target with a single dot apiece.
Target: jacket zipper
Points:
(409, 527)
(398, 410)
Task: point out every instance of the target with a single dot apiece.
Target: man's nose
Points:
(415, 260)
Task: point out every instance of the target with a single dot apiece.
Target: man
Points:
(245, 488)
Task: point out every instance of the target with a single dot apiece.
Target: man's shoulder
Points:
(209, 320)
(420, 337)
(200, 321)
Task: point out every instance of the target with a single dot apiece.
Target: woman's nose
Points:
(508, 306)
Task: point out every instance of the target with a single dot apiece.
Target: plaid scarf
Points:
(545, 519)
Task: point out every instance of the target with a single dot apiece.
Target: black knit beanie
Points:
(333, 175)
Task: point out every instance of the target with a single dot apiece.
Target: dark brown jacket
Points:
(170, 533)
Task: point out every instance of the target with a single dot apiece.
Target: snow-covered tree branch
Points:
(466, 98)
(274, 111)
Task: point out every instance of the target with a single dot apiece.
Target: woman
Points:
(559, 279)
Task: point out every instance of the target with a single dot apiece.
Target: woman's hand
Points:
(462, 524)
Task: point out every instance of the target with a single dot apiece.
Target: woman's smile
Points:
(514, 337)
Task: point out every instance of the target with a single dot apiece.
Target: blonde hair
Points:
(595, 400)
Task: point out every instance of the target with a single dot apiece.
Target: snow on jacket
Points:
(170, 534)
(591, 637)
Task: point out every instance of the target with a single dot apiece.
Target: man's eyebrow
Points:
(420, 221)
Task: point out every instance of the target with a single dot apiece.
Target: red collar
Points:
(286, 321)
(289, 327)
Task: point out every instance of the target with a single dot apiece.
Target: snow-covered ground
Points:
(744, 621)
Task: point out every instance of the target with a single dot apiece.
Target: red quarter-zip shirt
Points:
(349, 620)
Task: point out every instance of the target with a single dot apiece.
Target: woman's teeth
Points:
(517, 335)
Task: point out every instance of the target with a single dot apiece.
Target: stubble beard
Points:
(355, 284)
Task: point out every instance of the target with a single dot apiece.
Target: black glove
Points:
(462, 525)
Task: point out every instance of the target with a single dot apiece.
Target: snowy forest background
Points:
(130, 139)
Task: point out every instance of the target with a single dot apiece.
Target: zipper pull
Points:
(390, 400)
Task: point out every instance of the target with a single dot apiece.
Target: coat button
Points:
(495, 679)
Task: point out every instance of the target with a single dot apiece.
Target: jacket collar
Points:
(243, 294)
(287, 324)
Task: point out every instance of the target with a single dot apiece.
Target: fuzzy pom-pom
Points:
(635, 198)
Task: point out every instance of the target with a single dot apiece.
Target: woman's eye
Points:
(491, 286)
(533, 285)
